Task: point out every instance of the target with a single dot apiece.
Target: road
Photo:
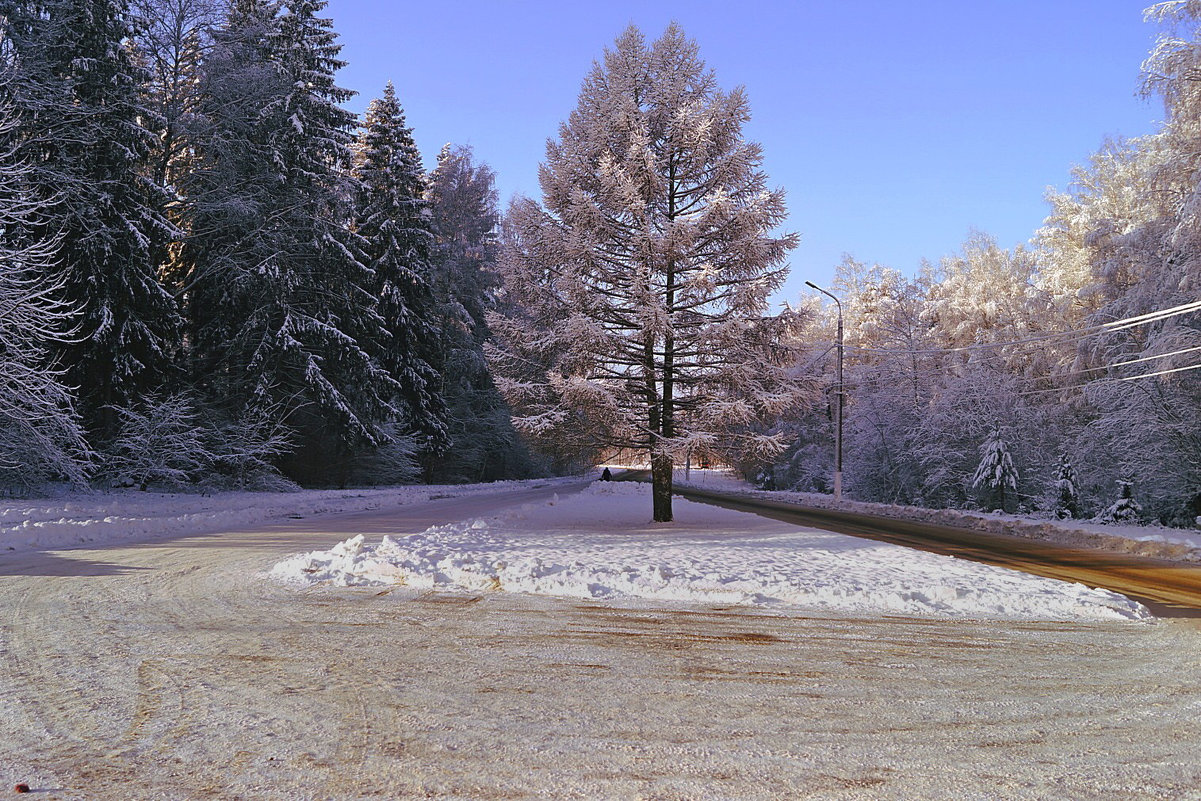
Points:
(169, 669)
(1170, 589)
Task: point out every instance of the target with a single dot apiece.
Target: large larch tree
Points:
(639, 288)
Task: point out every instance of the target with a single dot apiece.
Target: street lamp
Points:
(837, 408)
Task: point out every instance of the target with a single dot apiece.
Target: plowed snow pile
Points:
(599, 544)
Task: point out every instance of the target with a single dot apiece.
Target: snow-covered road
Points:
(170, 669)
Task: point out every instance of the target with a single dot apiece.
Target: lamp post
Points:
(838, 407)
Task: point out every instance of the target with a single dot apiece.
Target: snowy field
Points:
(128, 515)
(598, 544)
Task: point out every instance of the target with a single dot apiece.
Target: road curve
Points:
(1170, 589)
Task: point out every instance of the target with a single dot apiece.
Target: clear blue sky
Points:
(894, 127)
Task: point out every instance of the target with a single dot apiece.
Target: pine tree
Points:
(83, 130)
(463, 204)
(279, 296)
(996, 472)
(393, 218)
(1067, 493)
(641, 287)
(1125, 509)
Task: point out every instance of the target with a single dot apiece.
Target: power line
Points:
(1070, 335)
(1162, 372)
(1149, 358)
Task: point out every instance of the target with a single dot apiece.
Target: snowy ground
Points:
(128, 515)
(598, 544)
(169, 669)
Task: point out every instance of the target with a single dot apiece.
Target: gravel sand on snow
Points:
(168, 670)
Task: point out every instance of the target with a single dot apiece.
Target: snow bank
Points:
(124, 516)
(709, 555)
(1158, 542)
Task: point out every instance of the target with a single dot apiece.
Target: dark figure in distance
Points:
(606, 475)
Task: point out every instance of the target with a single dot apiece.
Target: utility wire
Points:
(1162, 372)
(1070, 335)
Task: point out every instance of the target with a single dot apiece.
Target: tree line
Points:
(1060, 377)
(212, 270)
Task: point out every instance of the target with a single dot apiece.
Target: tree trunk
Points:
(661, 467)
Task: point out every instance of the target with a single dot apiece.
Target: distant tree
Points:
(1125, 509)
(640, 290)
(894, 376)
(463, 207)
(394, 220)
(1067, 493)
(996, 472)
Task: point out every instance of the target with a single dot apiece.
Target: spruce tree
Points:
(1067, 490)
(463, 204)
(83, 128)
(280, 297)
(392, 217)
(1125, 509)
(996, 472)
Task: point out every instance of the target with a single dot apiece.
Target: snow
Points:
(1155, 541)
(126, 516)
(598, 544)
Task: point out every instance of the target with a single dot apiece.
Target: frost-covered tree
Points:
(171, 37)
(280, 300)
(1125, 509)
(463, 205)
(892, 374)
(159, 441)
(245, 450)
(40, 434)
(996, 472)
(393, 218)
(1066, 490)
(83, 131)
(986, 295)
(640, 286)
(1123, 243)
